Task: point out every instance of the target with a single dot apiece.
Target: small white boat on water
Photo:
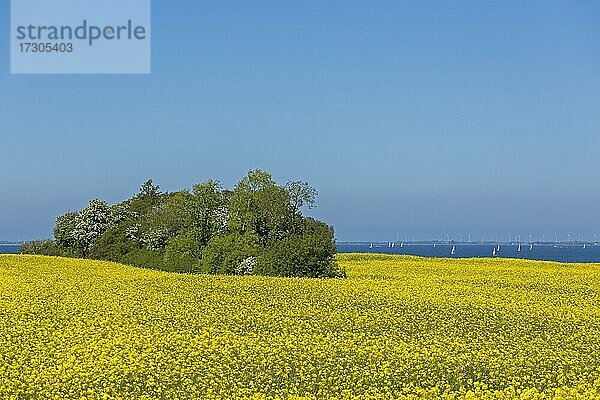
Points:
(530, 247)
(494, 252)
(453, 250)
(519, 248)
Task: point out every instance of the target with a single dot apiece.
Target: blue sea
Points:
(9, 249)
(561, 252)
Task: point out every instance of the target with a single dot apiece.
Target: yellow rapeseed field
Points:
(398, 327)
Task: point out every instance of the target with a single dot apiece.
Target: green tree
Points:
(209, 210)
(300, 194)
(258, 205)
(163, 221)
(148, 197)
(201, 211)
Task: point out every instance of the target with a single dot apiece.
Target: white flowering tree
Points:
(90, 224)
(63, 230)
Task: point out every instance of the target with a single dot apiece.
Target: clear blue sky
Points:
(409, 117)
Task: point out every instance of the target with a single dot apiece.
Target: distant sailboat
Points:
(393, 244)
(584, 245)
(434, 245)
(453, 250)
(530, 247)
(371, 246)
(401, 244)
(494, 252)
(519, 248)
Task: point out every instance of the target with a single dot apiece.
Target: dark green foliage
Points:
(183, 252)
(310, 253)
(112, 245)
(256, 228)
(145, 258)
(226, 254)
(42, 247)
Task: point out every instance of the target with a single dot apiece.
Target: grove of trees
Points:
(255, 228)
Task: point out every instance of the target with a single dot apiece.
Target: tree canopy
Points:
(255, 228)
